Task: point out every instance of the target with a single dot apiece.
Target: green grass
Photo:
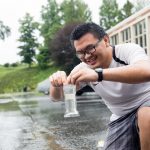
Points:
(13, 79)
(13, 106)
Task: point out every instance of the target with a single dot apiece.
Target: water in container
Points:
(70, 101)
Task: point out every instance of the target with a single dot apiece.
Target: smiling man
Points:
(120, 74)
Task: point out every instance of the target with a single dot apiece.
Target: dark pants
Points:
(123, 133)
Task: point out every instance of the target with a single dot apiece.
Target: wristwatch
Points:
(99, 71)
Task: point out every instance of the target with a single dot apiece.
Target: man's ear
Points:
(106, 40)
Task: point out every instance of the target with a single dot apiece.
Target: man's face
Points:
(92, 51)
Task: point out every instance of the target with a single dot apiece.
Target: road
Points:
(31, 122)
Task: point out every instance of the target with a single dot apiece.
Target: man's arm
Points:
(132, 74)
(57, 80)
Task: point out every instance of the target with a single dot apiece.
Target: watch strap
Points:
(99, 71)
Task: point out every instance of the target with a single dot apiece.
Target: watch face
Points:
(98, 69)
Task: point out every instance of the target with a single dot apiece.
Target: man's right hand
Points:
(58, 78)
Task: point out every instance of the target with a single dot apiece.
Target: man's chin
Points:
(95, 66)
(92, 66)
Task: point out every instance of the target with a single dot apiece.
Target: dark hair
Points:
(84, 28)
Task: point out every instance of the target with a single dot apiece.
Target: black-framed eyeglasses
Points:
(90, 49)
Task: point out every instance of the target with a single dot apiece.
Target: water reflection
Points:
(35, 122)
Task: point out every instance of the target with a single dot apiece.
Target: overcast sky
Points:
(13, 10)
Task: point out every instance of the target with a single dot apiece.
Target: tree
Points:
(4, 31)
(51, 23)
(63, 54)
(43, 57)
(109, 13)
(50, 20)
(54, 17)
(28, 39)
(72, 13)
(75, 11)
(126, 11)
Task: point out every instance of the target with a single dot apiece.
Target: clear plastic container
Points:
(70, 101)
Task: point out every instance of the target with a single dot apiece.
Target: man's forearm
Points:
(131, 74)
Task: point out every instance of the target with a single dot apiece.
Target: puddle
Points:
(35, 122)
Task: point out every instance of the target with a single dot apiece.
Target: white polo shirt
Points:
(122, 98)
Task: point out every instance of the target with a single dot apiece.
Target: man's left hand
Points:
(82, 75)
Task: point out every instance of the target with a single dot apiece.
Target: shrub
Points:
(6, 65)
(14, 64)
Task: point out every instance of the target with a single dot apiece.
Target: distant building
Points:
(135, 29)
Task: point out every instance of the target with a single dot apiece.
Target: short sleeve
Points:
(131, 53)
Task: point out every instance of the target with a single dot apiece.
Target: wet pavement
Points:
(31, 122)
